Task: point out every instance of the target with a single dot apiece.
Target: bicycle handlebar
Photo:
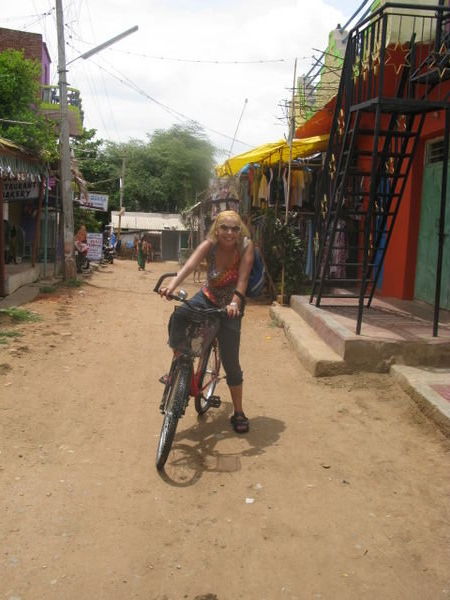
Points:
(161, 279)
(180, 299)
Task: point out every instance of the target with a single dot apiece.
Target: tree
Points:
(163, 174)
(19, 101)
(187, 160)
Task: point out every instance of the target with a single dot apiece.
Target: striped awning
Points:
(16, 163)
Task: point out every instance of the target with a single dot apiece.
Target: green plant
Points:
(83, 216)
(20, 314)
(8, 334)
(73, 283)
(283, 250)
(21, 121)
(47, 289)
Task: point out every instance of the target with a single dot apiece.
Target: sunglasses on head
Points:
(233, 229)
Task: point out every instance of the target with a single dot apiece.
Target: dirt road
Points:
(340, 491)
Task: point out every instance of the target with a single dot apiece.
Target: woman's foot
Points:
(239, 422)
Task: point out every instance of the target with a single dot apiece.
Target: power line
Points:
(180, 116)
(201, 60)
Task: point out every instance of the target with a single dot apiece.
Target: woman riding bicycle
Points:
(229, 254)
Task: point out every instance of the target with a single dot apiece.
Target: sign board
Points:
(95, 201)
(95, 243)
(20, 190)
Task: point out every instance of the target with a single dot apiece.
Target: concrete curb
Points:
(371, 352)
(24, 294)
(316, 356)
(418, 382)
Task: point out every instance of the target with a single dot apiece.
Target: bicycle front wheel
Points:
(174, 408)
(166, 436)
(209, 368)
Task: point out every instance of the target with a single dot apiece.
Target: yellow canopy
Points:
(273, 153)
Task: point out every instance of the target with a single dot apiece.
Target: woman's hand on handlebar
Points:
(167, 292)
(233, 310)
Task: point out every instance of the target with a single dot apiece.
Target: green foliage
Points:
(48, 289)
(92, 160)
(19, 100)
(73, 283)
(283, 247)
(19, 314)
(90, 218)
(5, 334)
(162, 174)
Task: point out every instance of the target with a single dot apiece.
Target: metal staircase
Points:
(394, 61)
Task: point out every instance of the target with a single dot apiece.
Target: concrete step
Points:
(315, 355)
(430, 389)
(375, 349)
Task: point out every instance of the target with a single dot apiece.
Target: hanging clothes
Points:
(340, 252)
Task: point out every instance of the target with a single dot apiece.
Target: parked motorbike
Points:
(108, 254)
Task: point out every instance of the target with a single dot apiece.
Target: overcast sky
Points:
(190, 59)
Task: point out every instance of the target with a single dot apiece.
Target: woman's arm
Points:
(192, 262)
(244, 273)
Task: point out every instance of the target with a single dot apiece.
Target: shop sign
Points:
(95, 201)
(95, 243)
(20, 190)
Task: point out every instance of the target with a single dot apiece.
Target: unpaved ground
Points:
(340, 491)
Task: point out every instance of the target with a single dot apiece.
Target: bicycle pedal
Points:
(214, 401)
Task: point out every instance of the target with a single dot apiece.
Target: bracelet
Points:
(233, 304)
(239, 295)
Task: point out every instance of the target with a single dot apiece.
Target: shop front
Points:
(23, 197)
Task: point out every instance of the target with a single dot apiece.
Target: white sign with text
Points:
(95, 201)
(95, 243)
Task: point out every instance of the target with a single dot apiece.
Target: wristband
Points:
(233, 304)
(239, 295)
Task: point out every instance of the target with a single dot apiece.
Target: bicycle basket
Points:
(200, 332)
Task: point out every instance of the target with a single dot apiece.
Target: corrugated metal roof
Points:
(148, 221)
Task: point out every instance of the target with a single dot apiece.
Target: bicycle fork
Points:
(176, 392)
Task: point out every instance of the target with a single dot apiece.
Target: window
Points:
(435, 152)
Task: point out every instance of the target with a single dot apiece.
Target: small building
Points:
(166, 232)
(34, 48)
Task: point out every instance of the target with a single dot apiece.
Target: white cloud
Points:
(212, 94)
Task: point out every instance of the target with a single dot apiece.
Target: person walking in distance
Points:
(141, 253)
(229, 253)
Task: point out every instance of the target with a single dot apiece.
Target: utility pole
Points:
(287, 194)
(237, 127)
(122, 183)
(69, 268)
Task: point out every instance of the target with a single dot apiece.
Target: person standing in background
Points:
(141, 252)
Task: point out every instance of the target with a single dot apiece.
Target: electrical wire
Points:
(178, 115)
(201, 60)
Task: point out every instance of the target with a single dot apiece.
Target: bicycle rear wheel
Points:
(174, 409)
(209, 369)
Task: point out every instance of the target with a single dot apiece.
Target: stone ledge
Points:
(418, 383)
(369, 352)
(315, 355)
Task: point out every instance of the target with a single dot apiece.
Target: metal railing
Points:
(50, 95)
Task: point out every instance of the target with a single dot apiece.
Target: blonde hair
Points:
(226, 214)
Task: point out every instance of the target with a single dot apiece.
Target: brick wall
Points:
(30, 43)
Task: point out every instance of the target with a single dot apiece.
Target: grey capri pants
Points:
(229, 336)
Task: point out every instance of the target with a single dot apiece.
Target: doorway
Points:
(427, 251)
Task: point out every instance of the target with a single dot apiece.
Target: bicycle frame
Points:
(197, 386)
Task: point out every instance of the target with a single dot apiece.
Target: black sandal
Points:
(239, 422)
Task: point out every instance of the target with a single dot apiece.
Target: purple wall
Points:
(46, 61)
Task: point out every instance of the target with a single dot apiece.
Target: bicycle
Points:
(193, 372)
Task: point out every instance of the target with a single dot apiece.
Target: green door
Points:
(425, 283)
